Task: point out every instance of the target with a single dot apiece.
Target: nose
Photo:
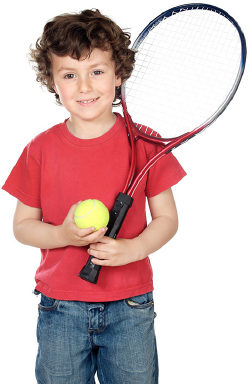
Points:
(85, 85)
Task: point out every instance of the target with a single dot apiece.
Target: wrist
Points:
(59, 236)
(138, 249)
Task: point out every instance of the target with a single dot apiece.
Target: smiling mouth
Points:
(88, 101)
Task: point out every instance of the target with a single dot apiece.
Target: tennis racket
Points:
(189, 63)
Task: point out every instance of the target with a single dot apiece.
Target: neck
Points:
(90, 129)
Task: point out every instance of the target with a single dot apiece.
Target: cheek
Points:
(109, 88)
(64, 93)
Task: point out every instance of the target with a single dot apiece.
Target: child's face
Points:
(86, 87)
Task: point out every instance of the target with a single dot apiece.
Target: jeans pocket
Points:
(52, 332)
(141, 302)
(47, 304)
(136, 339)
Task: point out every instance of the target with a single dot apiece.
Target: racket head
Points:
(189, 63)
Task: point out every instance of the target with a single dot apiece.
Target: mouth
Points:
(88, 102)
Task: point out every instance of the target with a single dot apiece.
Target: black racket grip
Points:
(123, 203)
(119, 211)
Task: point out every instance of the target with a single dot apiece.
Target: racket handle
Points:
(117, 216)
(123, 203)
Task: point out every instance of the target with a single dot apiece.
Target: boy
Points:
(106, 328)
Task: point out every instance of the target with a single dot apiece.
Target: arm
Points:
(162, 228)
(30, 230)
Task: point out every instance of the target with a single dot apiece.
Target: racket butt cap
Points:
(90, 272)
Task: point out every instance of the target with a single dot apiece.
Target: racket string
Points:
(185, 69)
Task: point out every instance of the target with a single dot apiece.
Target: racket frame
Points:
(90, 271)
(170, 144)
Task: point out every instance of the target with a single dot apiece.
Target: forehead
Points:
(97, 57)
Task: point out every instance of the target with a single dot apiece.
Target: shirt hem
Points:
(94, 297)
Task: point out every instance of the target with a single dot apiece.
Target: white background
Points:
(202, 277)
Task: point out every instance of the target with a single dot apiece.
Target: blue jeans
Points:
(115, 339)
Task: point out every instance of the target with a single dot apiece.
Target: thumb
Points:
(72, 210)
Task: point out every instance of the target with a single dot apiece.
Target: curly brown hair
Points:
(77, 34)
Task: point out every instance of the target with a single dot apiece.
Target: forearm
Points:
(163, 226)
(159, 232)
(38, 234)
(29, 229)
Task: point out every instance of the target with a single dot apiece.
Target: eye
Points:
(97, 72)
(69, 76)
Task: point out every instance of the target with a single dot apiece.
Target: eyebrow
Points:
(91, 66)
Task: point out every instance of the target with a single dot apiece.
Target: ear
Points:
(55, 88)
(118, 81)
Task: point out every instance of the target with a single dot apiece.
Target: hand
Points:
(70, 234)
(112, 253)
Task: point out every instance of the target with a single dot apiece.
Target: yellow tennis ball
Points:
(91, 213)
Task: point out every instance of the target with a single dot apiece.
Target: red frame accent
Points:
(168, 145)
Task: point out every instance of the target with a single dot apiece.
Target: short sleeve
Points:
(163, 175)
(24, 180)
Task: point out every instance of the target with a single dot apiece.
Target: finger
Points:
(101, 262)
(72, 210)
(105, 244)
(95, 234)
(98, 254)
(85, 232)
(90, 236)
(98, 235)
(107, 240)
(100, 247)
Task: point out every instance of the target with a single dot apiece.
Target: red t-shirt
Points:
(55, 171)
